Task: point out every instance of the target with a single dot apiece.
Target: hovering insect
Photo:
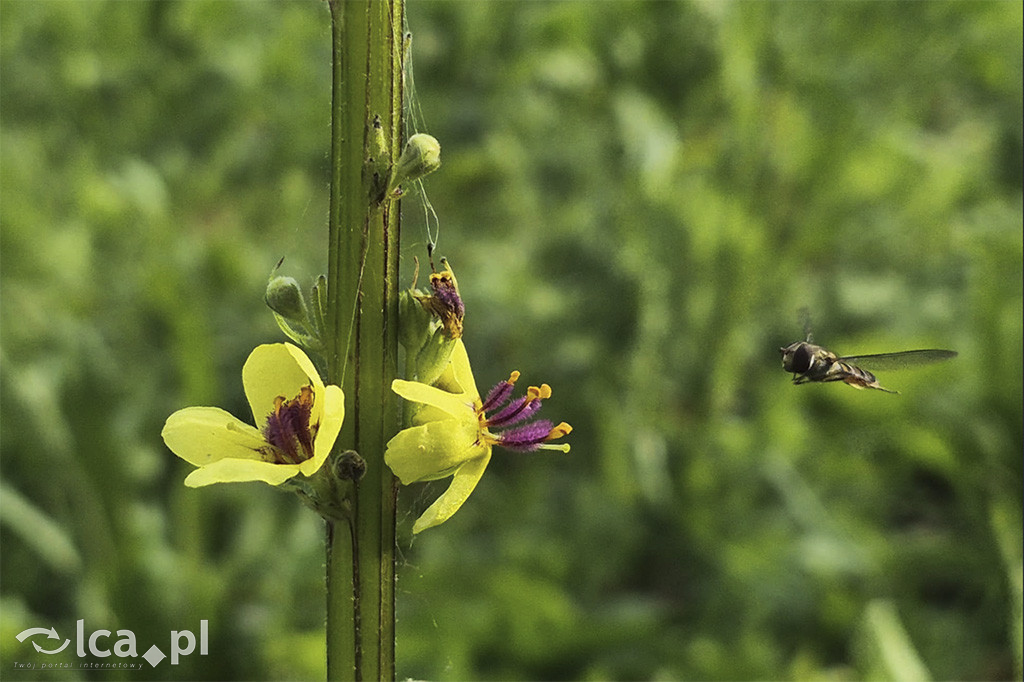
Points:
(809, 362)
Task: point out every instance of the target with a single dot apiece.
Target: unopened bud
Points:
(422, 155)
(434, 358)
(349, 466)
(285, 298)
(413, 321)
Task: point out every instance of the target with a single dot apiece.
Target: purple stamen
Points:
(498, 396)
(527, 437)
(288, 429)
(449, 298)
(518, 410)
(447, 293)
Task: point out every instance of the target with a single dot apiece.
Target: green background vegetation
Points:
(636, 198)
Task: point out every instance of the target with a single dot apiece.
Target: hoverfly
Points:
(810, 362)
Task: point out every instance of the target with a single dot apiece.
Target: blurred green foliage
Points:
(636, 198)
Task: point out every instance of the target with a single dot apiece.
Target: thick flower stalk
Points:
(453, 432)
(298, 419)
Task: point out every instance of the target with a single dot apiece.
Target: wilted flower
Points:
(445, 302)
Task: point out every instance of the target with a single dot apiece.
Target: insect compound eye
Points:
(801, 361)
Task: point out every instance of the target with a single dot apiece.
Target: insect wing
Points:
(900, 360)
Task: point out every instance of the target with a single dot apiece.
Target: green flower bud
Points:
(434, 357)
(285, 298)
(349, 466)
(421, 156)
(414, 321)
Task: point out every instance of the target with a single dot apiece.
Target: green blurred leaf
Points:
(885, 651)
(40, 532)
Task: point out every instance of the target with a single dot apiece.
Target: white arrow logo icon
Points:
(50, 634)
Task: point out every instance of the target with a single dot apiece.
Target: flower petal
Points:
(275, 369)
(457, 377)
(333, 405)
(307, 366)
(238, 470)
(452, 404)
(463, 483)
(433, 450)
(202, 435)
(463, 372)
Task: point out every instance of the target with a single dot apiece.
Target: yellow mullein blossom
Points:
(453, 432)
(298, 418)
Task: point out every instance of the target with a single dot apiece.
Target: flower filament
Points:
(526, 437)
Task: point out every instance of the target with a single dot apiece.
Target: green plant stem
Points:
(363, 333)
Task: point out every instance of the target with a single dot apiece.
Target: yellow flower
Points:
(299, 418)
(454, 430)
